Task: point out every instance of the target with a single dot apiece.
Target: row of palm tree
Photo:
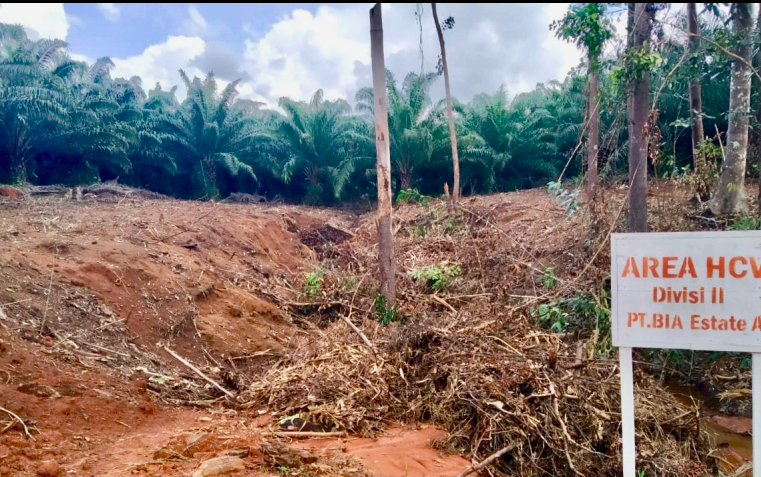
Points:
(64, 121)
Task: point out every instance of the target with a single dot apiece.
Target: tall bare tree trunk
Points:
(387, 267)
(696, 101)
(593, 141)
(450, 113)
(730, 195)
(628, 65)
(638, 114)
(755, 145)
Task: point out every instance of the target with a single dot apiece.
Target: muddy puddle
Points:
(730, 433)
(400, 452)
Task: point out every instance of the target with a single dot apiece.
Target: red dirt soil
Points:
(91, 291)
(400, 452)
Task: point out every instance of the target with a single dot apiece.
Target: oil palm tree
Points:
(410, 125)
(321, 143)
(32, 104)
(206, 135)
(486, 139)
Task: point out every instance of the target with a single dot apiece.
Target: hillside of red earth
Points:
(163, 337)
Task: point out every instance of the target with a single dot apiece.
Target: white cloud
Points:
(196, 17)
(74, 21)
(81, 57)
(568, 52)
(490, 44)
(110, 11)
(303, 52)
(40, 20)
(194, 24)
(162, 62)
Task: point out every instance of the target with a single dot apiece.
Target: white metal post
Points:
(627, 411)
(756, 410)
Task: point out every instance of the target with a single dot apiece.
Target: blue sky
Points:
(294, 49)
(131, 27)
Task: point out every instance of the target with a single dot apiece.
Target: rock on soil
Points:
(219, 466)
(49, 469)
(738, 425)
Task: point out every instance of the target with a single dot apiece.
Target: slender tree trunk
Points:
(628, 65)
(638, 114)
(756, 146)
(696, 101)
(730, 194)
(450, 112)
(383, 160)
(593, 141)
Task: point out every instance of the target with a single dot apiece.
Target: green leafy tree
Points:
(33, 106)
(586, 25)
(411, 126)
(321, 143)
(207, 136)
(98, 133)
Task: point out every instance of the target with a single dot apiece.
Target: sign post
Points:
(627, 411)
(685, 290)
(756, 407)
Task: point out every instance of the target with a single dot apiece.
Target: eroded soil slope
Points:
(92, 292)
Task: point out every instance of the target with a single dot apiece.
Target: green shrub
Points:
(567, 200)
(548, 279)
(383, 313)
(413, 196)
(745, 223)
(313, 282)
(579, 312)
(550, 316)
(437, 277)
(452, 225)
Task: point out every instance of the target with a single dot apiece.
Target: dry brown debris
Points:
(469, 357)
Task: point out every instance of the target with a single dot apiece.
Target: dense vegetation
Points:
(68, 122)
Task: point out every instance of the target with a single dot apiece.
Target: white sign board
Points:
(685, 290)
(691, 290)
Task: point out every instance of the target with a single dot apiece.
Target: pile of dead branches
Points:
(492, 387)
(467, 353)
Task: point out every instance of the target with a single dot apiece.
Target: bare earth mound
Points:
(99, 298)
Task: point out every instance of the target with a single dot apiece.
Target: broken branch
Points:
(487, 461)
(297, 434)
(198, 372)
(20, 421)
